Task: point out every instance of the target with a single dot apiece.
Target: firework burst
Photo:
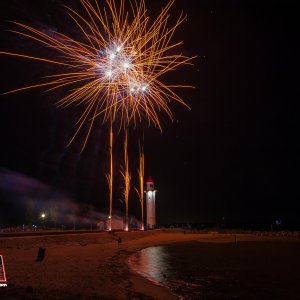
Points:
(114, 71)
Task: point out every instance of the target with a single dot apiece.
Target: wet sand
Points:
(90, 265)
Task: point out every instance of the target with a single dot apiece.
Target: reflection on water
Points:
(224, 271)
(152, 262)
(162, 265)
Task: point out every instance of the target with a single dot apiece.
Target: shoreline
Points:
(199, 286)
(90, 266)
(144, 283)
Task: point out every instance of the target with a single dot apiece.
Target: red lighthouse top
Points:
(150, 179)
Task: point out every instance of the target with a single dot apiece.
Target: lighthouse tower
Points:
(150, 202)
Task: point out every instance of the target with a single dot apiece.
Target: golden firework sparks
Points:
(127, 177)
(140, 191)
(114, 71)
(109, 176)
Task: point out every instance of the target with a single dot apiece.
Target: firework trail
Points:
(126, 177)
(109, 176)
(140, 191)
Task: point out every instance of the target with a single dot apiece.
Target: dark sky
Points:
(235, 154)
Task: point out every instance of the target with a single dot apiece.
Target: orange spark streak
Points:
(140, 191)
(109, 176)
(126, 176)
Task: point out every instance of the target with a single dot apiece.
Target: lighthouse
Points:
(150, 203)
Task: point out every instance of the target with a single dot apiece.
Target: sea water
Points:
(246, 270)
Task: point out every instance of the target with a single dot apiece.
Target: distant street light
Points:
(43, 216)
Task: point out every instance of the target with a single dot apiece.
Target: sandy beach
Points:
(90, 265)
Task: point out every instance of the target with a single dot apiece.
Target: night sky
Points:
(234, 155)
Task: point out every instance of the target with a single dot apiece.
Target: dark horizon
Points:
(234, 155)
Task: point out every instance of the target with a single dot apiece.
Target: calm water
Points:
(248, 270)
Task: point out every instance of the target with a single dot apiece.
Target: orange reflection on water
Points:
(152, 263)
